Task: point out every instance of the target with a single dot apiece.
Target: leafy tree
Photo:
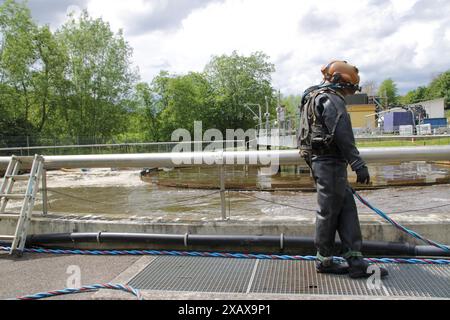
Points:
(236, 80)
(415, 96)
(388, 90)
(79, 81)
(29, 64)
(145, 120)
(440, 87)
(292, 102)
(48, 79)
(99, 78)
(18, 55)
(183, 100)
(216, 97)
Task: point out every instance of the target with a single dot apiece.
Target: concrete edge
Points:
(438, 231)
(377, 231)
(212, 296)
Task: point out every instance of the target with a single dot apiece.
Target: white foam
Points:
(94, 178)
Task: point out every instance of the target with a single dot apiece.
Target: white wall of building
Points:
(435, 108)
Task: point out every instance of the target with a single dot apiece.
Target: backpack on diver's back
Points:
(313, 134)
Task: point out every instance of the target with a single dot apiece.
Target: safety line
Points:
(75, 197)
(424, 209)
(84, 289)
(304, 209)
(399, 226)
(277, 203)
(216, 192)
(221, 255)
(108, 204)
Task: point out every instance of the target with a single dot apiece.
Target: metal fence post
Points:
(44, 192)
(28, 144)
(223, 203)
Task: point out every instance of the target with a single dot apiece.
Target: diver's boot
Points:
(328, 265)
(358, 268)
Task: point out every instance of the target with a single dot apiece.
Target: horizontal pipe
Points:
(261, 242)
(430, 251)
(197, 159)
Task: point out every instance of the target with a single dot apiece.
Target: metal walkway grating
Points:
(192, 274)
(219, 275)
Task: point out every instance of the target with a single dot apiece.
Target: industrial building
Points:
(362, 113)
(362, 116)
(429, 115)
(366, 114)
(434, 108)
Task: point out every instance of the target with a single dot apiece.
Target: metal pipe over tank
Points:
(227, 158)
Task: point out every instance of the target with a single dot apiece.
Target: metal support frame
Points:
(8, 183)
(26, 212)
(6, 193)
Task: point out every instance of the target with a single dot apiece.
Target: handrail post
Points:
(44, 193)
(223, 203)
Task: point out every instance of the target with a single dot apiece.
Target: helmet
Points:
(340, 72)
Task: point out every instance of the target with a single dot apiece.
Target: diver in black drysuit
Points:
(337, 208)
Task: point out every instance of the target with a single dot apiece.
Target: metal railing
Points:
(112, 148)
(225, 158)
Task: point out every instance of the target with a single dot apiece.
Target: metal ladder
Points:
(6, 193)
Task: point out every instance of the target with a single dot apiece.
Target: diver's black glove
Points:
(363, 175)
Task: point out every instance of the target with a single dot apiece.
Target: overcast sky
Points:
(406, 40)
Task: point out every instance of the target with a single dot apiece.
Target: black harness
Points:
(314, 136)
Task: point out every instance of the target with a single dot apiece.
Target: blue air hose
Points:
(399, 226)
(219, 255)
(84, 289)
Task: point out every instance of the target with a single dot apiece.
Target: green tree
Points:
(95, 103)
(181, 101)
(145, 120)
(388, 90)
(17, 56)
(79, 81)
(440, 87)
(415, 96)
(292, 102)
(47, 80)
(236, 80)
(32, 68)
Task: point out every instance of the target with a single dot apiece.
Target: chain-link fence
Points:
(402, 141)
(27, 146)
